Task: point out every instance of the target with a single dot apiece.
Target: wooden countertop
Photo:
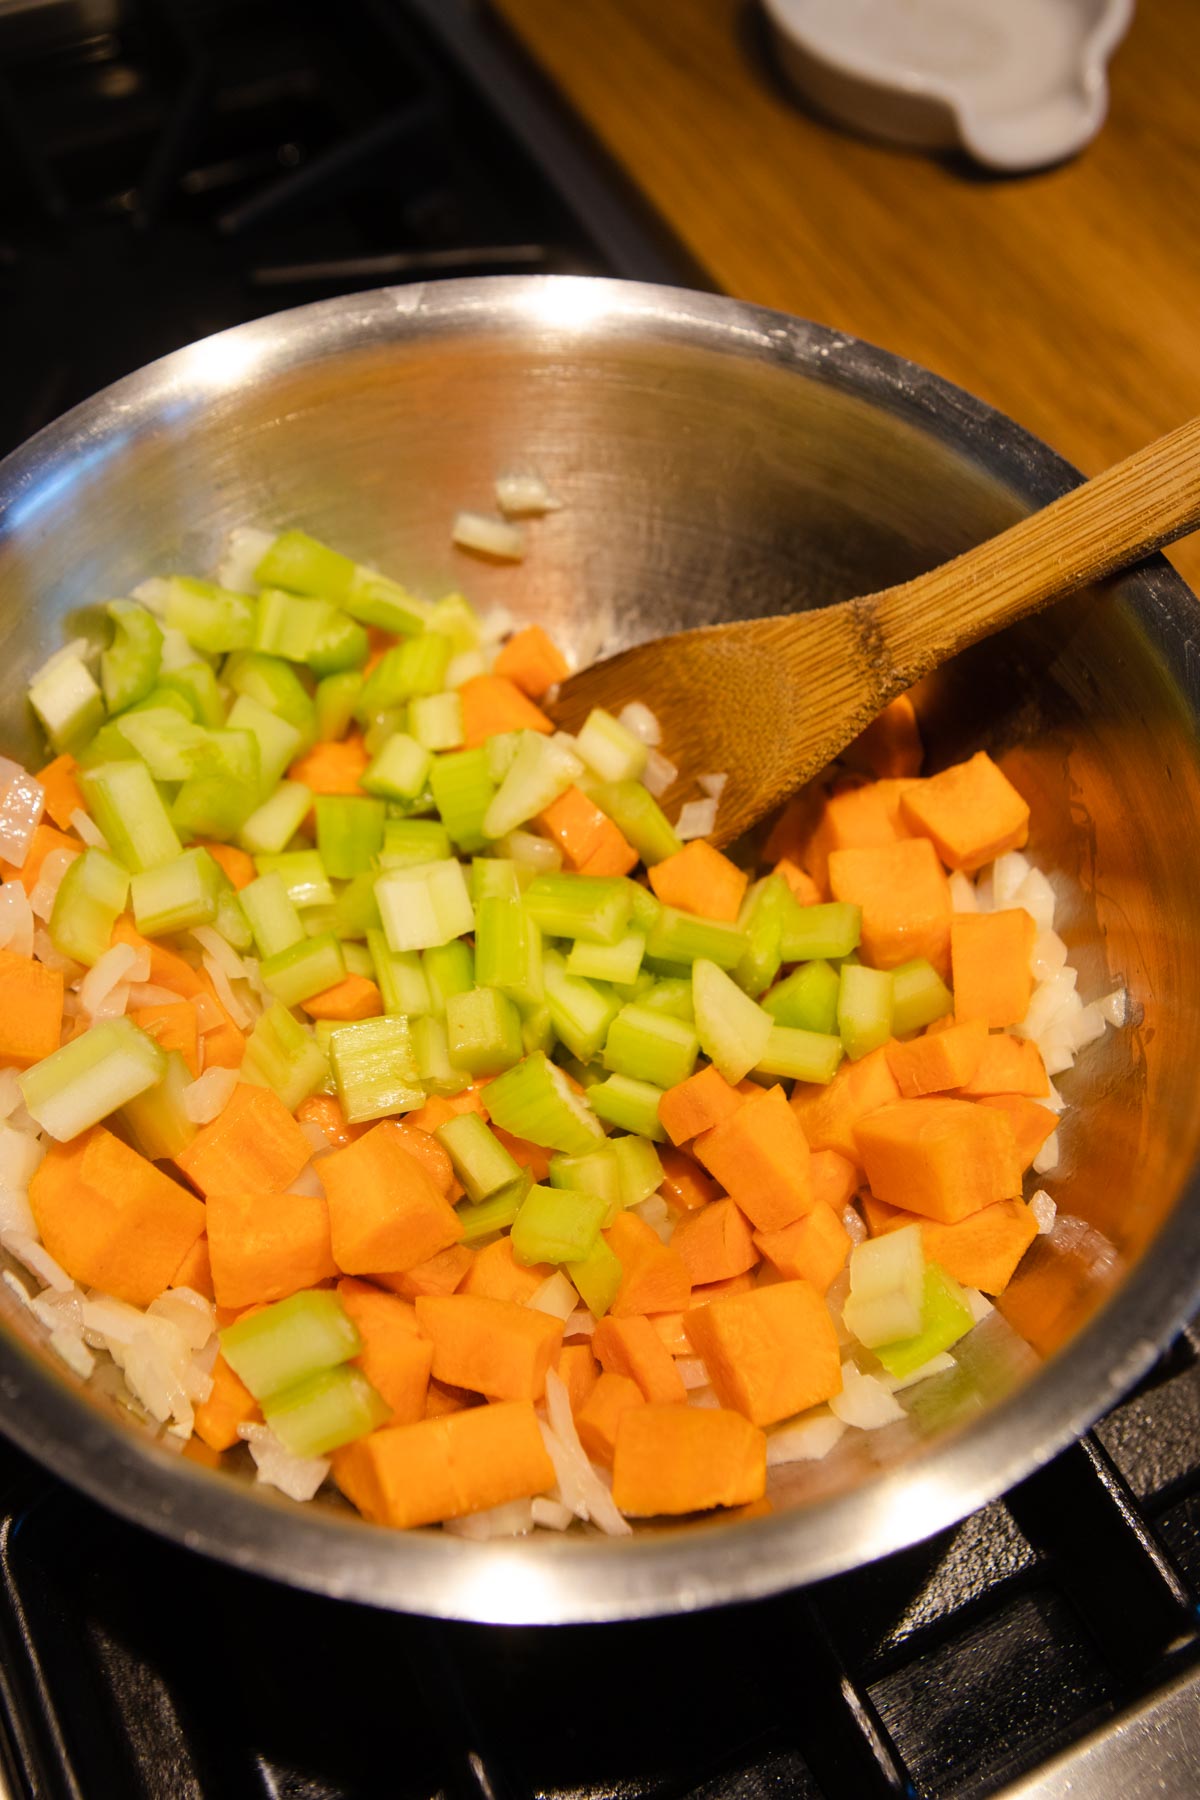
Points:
(1068, 298)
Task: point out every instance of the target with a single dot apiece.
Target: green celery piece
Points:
(91, 1077)
(537, 1028)
(681, 938)
(494, 878)
(355, 911)
(424, 907)
(670, 994)
(496, 1213)
(272, 918)
(176, 896)
(160, 697)
(399, 770)
(349, 833)
(128, 808)
(289, 627)
(436, 721)
(541, 770)
(416, 666)
(383, 726)
(303, 875)
(483, 1031)
(283, 1344)
(462, 791)
(761, 918)
(304, 969)
(832, 930)
(610, 749)
(534, 1101)
(335, 701)
(173, 748)
(593, 907)
(231, 922)
(400, 977)
(596, 1173)
(359, 960)
(129, 667)
(195, 683)
(651, 1046)
(733, 1029)
(641, 1171)
(508, 950)
(864, 1013)
(341, 647)
(275, 686)
(407, 843)
(500, 750)
(210, 617)
(217, 806)
(157, 1119)
(629, 1104)
(638, 992)
(581, 1012)
(455, 617)
(557, 1225)
(298, 562)
(326, 1411)
(806, 999)
(945, 1318)
(283, 1054)
(275, 823)
(800, 1055)
(919, 996)
(90, 897)
(68, 702)
(109, 745)
(279, 742)
(480, 1160)
(448, 969)
(431, 1051)
(375, 1068)
(645, 907)
(619, 962)
(638, 817)
(597, 1278)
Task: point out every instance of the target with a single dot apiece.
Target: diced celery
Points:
(278, 740)
(638, 817)
(800, 1055)
(436, 721)
(734, 1031)
(508, 949)
(806, 999)
(640, 1170)
(534, 1101)
(651, 1046)
(173, 748)
(275, 686)
(289, 627)
(887, 1286)
(349, 834)
(217, 805)
(341, 647)
(279, 1345)
(400, 977)
(128, 808)
(593, 907)
(494, 877)
(431, 1050)
(645, 907)
(276, 822)
(195, 683)
(557, 1225)
(581, 1011)
(90, 896)
(157, 1119)
(109, 745)
(231, 922)
(630, 1104)
(336, 700)
(325, 1411)
(609, 749)
(597, 1278)
(761, 918)
(375, 1068)
(864, 1014)
(501, 748)
(160, 697)
(177, 895)
(483, 1031)
(945, 1318)
(496, 1213)
(359, 960)
(455, 617)
(679, 937)
(541, 770)
(448, 969)
(462, 791)
(425, 906)
(671, 994)
(919, 996)
(296, 561)
(537, 1028)
(304, 969)
(598, 1172)
(480, 1160)
(90, 1077)
(409, 842)
(831, 930)
(399, 770)
(68, 702)
(303, 875)
(284, 1055)
(617, 962)
(272, 918)
(129, 667)
(208, 616)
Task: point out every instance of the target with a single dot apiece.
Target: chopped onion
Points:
(85, 827)
(693, 1371)
(580, 1324)
(1047, 1157)
(244, 550)
(1090, 1023)
(1037, 897)
(496, 624)
(194, 1317)
(73, 1351)
(298, 1477)
(706, 1397)
(16, 919)
(464, 667)
(524, 494)
(489, 537)
(697, 819)
(105, 974)
(238, 1011)
(512, 1519)
(963, 898)
(312, 1131)
(108, 1320)
(984, 899)
(852, 1223)
(556, 1297)
(1114, 1007)
(1053, 1101)
(209, 1094)
(153, 594)
(567, 1455)
(1057, 1056)
(1008, 872)
(45, 889)
(16, 1214)
(713, 785)
(1044, 1211)
(658, 774)
(18, 1287)
(864, 1401)
(10, 1093)
(214, 945)
(307, 1183)
(21, 806)
(20, 1155)
(978, 1302)
(38, 1260)
(806, 1439)
(1048, 956)
(637, 718)
(550, 1513)
(655, 1213)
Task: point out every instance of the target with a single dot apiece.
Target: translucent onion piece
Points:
(1044, 1211)
(556, 1297)
(1115, 1007)
(1008, 872)
(864, 1401)
(38, 1260)
(550, 1513)
(963, 897)
(517, 495)
(21, 805)
(1047, 1157)
(309, 1183)
(713, 785)
(193, 1316)
(105, 974)
(490, 537)
(16, 919)
(638, 718)
(244, 550)
(73, 1351)
(599, 1505)
(298, 1477)
(46, 887)
(658, 774)
(85, 827)
(238, 1011)
(10, 1093)
(806, 1439)
(209, 1094)
(697, 818)
(513, 1519)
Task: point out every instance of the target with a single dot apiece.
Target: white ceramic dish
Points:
(1017, 84)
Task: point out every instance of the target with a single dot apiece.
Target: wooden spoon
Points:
(768, 702)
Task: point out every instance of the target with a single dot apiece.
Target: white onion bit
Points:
(209, 1095)
(86, 828)
(517, 495)
(697, 819)
(46, 887)
(864, 1401)
(21, 807)
(637, 718)
(298, 1477)
(713, 785)
(1044, 1211)
(16, 919)
(658, 774)
(806, 1439)
(488, 537)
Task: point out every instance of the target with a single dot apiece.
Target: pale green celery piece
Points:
(304, 969)
(629, 1104)
(436, 721)
(283, 1054)
(645, 907)
(733, 1029)
(282, 1344)
(651, 1046)
(945, 1318)
(326, 1411)
(375, 1068)
(276, 687)
(303, 875)
(318, 919)
(109, 745)
(336, 700)
(349, 834)
(400, 977)
(231, 922)
(580, 1011)
(919, 996)
(129, 667)
(887, 1284)
(597, 1278)
(496, 1213)
(500, 750)
(508, 950)
(806, 999)
(830, 930)
(195, 683)
(619, 962)
(800, 1055)
(399, 770)
(494, 877)
(305, 566)
(279, 742)
(424, 907)
(157, 1120)
(534, 1101)
(448, 969)
(173, 748)
(680, 939)
(541, 770)
(341, 648)
(381, 727)
(273, 919)
(761, 918)
(639, 990)
(431, 1050)
(355, 911)
(177, 895)
(217, 805)
(160, 697)
(276, 822)
(209, 617)
(407, 843)
(68, 701)
(640, 1170)
(586, 1074)
(290, 627)
(611, 750)
(128, 808)
(416, 666)
(377, 601)
(358, 960)
(638, 817)
(480, 1160)
(595, 908)
(864, 1013)
(91, 1077)
(483, 1031)
(90, 897)
(595, 1173)
(463, 791)
(537, 1028)
(454, 617)
(557, 1225)
(671, 994)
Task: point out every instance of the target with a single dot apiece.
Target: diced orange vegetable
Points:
(439, 1109)
(496, 1274)
(833, 1178)
(685, 1185)
(673, 1459)
(228, 1406)
(856, 816)
(829, 1114)
(972, 812)
(804, 888)
(669, 1327)
(440, 1274)
(714, 1243)
(699, 880)
(578, 1371)
(653, 1276)
(61, 790)
(532, 660)
(794, 827)
(223, 1045)
(237, 865)
(324, 1111)
(332, 767)
(45, 839)
(429, 1153)
(167, 968)
(494, 1347)
(1031, 1123)
(175, 1026)
(601, 1413)
(692, 1106)
(588, 839)
(354, 997)
(442, 1399)
(386, 1212)
(395, 1357)
(940, 1157)
(931, 1065)
(528, 1155)
(111, 1218)
(760, 1157)
(993, 979)
(812, 1249)
(253, 1146)
(32, 1010)
(443, 1468)
(721, 1290)
(771, 1353)
(195, 1271)
(905, 899)
(982, 1251)
(1009, 1065)
(633, 1347)
(492, 704)
(891, 744)
(265, 1246)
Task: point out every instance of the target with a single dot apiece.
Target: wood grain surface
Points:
(1069, 298)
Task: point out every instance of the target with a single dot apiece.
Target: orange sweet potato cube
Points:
(395, 1358)
(493, 1347)
(1009, 1065)
(685, 1186)
(715, 1243)
(633, 1347)
(264, 1247)
(891, 744)
(440, 1274)
(386, 1213)
(599, 1416)
(654, 1278)
(993, 977)
(933, 1065)
(698, 879)
(971, 812)
(229, 1405)
(905, 899)
(496, 1273)
(760, 1157)
(1031, 1123)
(705, 1099)
(32, 1010)
(940, 1157)
(683, 1459)
(447, 1466)
(813, 1249)
(578, 1371)
(770, 1353)
(829, 1114)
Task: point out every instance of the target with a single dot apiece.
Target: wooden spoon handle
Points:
(1137, 506)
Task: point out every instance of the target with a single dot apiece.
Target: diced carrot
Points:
(685, 1185)
(386, 1212)
(833, 1178)
(803, 887)
(442, 1468)
(669, 1326)
(931, 1065)
(653, 1277)
(721, 1290)
(683, 1459)
(982, 1251)
(395, 1357)
(223, 1045)
(891, 744)
(237, 865)
(265, 1246)
(856, 816)
(905, 899)
(532, 660)
(794, 827)
(167, 968)
(528, 1155)
(588, 839)
(332, 767)
(31, 1016)
(891, 793)
(61, 790)
(496, 1274)
(494, 1347)
(600, 1415)
(229, 1405)
(714, 1243)
(578, 1371)
(692, 1106)
(440, 1274)
(439, 1109)
(441, 1398)
(812, 1249)
(197, 1451)
(829, 1114)
(45, 839)
(1009, 1065)
(771, 1353)
(1031, 1123)
(940, 1157)
(633, 1347)
(492, 704)
(111, 1218)
(195, 1271)
(699, 880)
(760, 1157)
(971, 812)
(324, 1111)
(175, 1026)
(354, 997)
(429, 1153)
(991, 953)
(253, 1146)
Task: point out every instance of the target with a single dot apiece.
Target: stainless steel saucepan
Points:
(715, 461)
